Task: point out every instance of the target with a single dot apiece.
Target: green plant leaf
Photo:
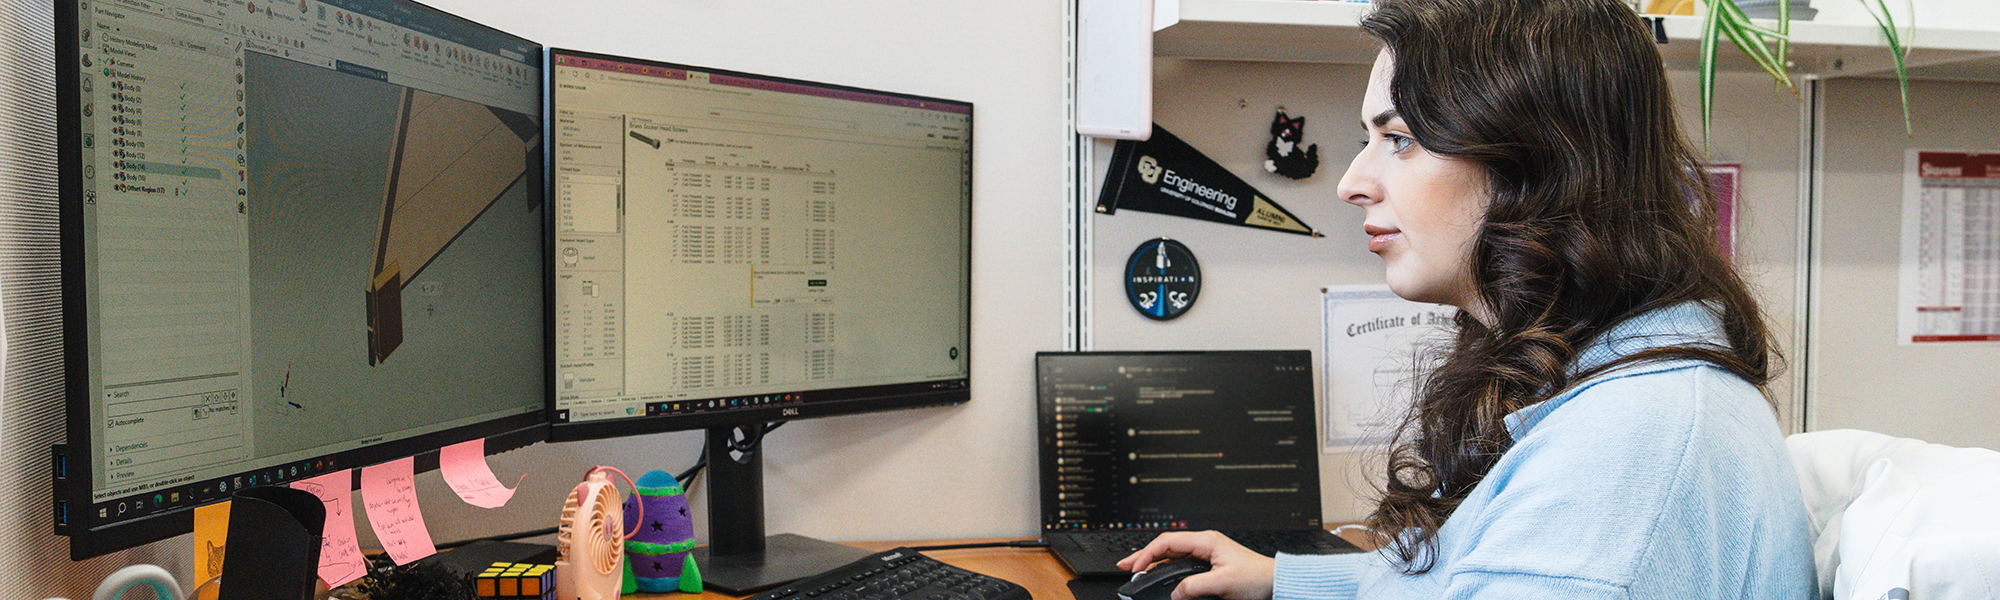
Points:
(1745, 35)
(1770, 49)
(1710, 34)
(1784, 30)
(1887, 23)
(1725, 19)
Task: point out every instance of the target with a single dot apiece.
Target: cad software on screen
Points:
(296, 214)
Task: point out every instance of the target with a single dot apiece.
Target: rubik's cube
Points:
(517, 581)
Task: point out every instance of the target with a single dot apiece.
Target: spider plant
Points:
(1768, 48)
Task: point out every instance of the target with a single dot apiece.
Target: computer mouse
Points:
(1158, 583)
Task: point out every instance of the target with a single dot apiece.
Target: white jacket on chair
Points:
(1898, 518)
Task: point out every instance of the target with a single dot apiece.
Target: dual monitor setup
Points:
(304, 237)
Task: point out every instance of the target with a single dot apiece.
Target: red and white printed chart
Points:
(1950, 277)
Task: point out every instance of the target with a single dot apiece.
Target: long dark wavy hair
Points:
(1599, 211)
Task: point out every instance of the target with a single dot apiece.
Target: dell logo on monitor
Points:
(791, 412)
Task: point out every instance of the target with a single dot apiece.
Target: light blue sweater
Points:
(1660, 480)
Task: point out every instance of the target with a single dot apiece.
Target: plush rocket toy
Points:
(659, 558)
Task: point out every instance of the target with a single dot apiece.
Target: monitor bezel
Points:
(836, 401)
(72, 463)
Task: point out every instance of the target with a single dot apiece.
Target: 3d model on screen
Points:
(453, 159)
(659, 557)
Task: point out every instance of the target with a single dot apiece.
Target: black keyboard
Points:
(1265, 542)
(899, 573)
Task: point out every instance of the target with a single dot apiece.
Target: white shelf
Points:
(1328, 32)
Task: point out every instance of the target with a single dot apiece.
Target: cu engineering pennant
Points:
(1165, 175)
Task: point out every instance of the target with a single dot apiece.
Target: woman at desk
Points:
(1597, 428)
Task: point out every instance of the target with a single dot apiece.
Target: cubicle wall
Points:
(1262, 288)
(1860, 377)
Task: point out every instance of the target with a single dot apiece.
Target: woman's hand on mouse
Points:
(1236, 573)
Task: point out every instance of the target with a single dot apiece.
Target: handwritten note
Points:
(389, 490)
(340, 559)
(465, 470)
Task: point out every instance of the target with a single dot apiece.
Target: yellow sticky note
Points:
(211, 535)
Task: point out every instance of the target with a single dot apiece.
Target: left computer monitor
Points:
(298, 237)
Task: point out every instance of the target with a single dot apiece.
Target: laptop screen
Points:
(1145, 441)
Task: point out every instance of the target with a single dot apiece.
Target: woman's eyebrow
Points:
(1384, 117)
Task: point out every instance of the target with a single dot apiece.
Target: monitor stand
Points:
(739, 559)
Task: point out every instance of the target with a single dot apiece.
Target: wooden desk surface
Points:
(1033, 568)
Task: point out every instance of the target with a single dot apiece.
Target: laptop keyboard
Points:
(1265, 542)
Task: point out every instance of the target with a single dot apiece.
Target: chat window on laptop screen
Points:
(726, 236)
(1179, 442)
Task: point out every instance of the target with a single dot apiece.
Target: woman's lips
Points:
(1379, 237)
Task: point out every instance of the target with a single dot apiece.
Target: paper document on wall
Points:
(1950, 276)
(1372, 341)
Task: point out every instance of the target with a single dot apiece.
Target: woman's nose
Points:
(1358, 186)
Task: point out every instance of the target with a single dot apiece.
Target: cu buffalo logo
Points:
(1149, 169)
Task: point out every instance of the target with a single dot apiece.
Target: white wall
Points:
(1861, 378)
(958, 471)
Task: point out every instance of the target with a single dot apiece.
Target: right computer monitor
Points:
(735, 249)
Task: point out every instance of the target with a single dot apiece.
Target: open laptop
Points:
(1137, 443)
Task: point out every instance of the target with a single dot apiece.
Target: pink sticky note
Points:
(389, 490)
(340, 559)
(465, 470)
